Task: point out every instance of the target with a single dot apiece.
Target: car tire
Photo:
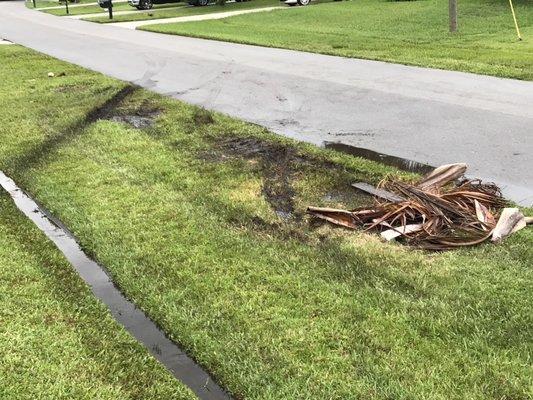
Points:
(203, 3)
(303, 2)
(146, 4)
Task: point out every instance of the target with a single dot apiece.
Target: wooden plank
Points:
(383, 194)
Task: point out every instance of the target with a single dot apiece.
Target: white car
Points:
(296, 2)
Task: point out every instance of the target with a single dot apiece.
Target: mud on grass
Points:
(127, 106)
(290, 180)
(138, 116)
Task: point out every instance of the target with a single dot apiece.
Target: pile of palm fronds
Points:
(434, 213)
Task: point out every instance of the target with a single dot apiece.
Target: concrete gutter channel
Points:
(184, 368)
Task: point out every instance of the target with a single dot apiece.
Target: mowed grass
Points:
(200, 220)
(186, 11)
(93, 9)
(56, 340)
(407, 32)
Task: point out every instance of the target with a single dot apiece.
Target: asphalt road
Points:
(426, 115)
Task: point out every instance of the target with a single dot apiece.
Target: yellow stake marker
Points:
(515, 23)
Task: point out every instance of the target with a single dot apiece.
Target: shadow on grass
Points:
(43, 150)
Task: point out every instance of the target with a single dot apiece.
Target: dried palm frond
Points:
(433, 214)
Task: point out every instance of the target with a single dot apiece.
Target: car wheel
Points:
(303, 2)
(146, 4)
(203, 2)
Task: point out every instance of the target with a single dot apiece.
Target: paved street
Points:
(426, 115)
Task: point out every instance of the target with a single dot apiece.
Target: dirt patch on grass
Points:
(202, 116)
(279, 192)
(276, 163)
(69, 88)
(346, 196)
(281, 166)
(142, 117)
(253, 148)
(135, 121)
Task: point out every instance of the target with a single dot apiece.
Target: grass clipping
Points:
(434, 214)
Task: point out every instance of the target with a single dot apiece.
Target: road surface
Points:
(426, 115)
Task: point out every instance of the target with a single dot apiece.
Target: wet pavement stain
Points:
(123, 311)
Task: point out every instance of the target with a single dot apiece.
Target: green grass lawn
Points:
(200, 220)
(91, 9)
(56, 340)
(183, 12)
(407, 32)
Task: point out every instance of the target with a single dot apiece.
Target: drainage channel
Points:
(124, 311)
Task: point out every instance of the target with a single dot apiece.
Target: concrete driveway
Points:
(426, 115)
